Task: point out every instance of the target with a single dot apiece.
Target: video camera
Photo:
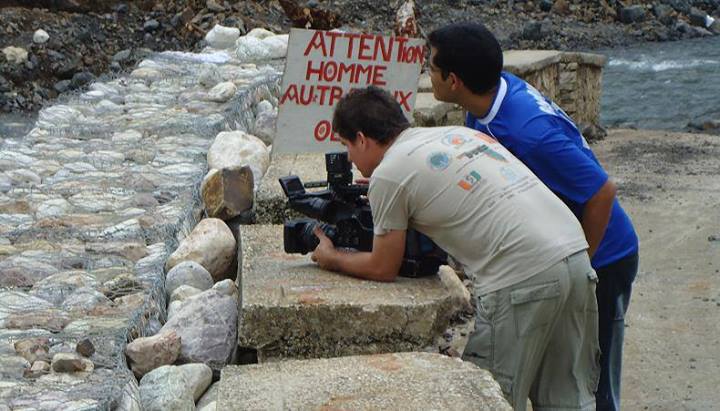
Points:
(344, 215)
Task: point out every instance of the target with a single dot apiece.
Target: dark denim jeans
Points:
(613, 297)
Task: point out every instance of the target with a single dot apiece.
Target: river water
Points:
(662, 85)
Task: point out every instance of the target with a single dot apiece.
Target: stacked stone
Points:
(92, 200)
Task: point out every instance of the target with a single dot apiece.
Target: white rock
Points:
(129, 136)
(188, 273)
(222, 92)
(263, 106)
(221, 37)
(251, 49)
(276, 46)
(53, 208)
(260, 33)
(15, 55)
(236, 149)
(209, 75)
(40, 36)
(210, 244)
(199, 377)
(23, 177)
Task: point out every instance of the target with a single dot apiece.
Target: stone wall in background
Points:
(572, 80)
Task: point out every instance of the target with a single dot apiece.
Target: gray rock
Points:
(165, 388)
(122, 56)
(62, 86)
(57, 287)
(183, 293)
(13, 366)
(188, 273)
(632, 14)
(207, 326)
(151, 25)
(264, 126)
(81, 79)
(199, 377)
(697, 17)
(210, 396)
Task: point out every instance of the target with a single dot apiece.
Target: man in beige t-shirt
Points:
(536, 327)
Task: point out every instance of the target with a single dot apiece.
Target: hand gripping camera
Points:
(344, 215)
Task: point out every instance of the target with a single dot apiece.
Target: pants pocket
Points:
(479, 348)
(532, 307)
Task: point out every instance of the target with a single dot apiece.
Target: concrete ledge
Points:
(292, 308)
(430, 112)
(407, 381)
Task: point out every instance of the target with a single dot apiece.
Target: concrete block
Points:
(404, 381)
(290, 308)
(430, 112)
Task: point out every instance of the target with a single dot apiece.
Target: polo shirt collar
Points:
(497, 102)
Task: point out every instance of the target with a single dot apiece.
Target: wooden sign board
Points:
(322, 66)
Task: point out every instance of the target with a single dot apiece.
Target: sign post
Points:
(322, 66)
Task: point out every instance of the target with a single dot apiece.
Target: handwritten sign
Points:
(322, 66)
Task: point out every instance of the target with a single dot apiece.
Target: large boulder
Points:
(149, 353)
(229, 192)
(207, 326)
(166, 388)
(221, 37)
(236, 149)
(211, 244)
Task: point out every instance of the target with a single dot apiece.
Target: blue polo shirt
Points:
(542, 136)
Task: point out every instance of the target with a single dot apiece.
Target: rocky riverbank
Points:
(81, 40)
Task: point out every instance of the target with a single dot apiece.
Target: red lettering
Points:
(377, 77)
(304, 96)
(401, 48)
(290, 93)
(359, 70)
(333, 36)
(323, 130)
(311, 71)
(365, 47)
(351, 37)
(330, 71)
(403, 99)
(385, 50)
(317, 41)
(335, 94)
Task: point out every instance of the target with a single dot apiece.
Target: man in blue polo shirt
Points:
(466, 68)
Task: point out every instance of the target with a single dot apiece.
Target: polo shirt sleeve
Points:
(388, 203)
(562, 165)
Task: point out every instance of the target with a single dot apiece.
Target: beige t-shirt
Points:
(477, 202)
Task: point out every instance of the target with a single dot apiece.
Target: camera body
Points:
(343, 212)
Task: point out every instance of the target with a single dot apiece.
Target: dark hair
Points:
(371, 110)
(470, 51)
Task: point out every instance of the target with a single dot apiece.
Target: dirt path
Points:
(670, 185)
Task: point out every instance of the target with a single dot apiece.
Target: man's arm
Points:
(381, 264)
(596, 215)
